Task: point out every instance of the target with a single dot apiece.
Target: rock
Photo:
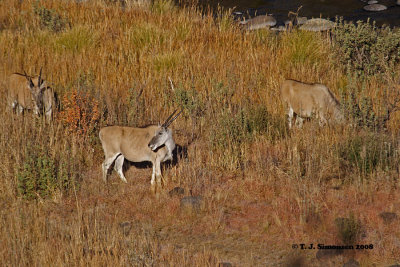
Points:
(259, 22)
(328, 253)
(295, 261)
(279, 29)
(317, 25)
(191, 202)
(375, 7)
(125, 227)
(177, 191)
(301, 20)
(351, 263)
(371, 2)
(388, 217)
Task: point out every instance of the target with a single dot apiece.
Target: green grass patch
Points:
(77, 39)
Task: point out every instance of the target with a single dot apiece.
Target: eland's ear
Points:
(29, 80)
(31, 85)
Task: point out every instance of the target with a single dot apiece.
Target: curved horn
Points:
(167, 120)
(176, 116)
(40, 76)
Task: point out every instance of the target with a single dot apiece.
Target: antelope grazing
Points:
(152, 143)
(304, 99)
(31, 93)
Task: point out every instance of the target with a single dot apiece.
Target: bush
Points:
(236, 127)
(367, 152)
(302, 48)
(366, 49)
(146, 36)
(76, 39)
(49, 19)
(80, 114)
(190, 101)
(163, 6)
(359, 107)
(42, 176)
(349, 229)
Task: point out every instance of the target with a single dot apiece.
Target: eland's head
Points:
(37, 86)
(163, 133)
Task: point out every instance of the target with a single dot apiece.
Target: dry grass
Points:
(263, 188)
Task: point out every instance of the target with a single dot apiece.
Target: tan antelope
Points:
(153, 143)
(31, 93)
(304, 99)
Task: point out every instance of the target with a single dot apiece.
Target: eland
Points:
(304, 100)
(31, 93)
(153, 143)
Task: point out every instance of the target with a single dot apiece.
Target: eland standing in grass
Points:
(304, 100)
(31, 93)
(153, 143)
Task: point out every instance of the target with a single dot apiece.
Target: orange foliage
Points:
(80, 113)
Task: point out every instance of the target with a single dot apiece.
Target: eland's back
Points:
(19, 93)
(305, 99)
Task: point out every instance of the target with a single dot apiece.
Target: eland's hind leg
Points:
(290, 117)
(119, 162)
(106, 165)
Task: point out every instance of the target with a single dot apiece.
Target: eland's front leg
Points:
(119, 162)
(158, 173)
(153, 176)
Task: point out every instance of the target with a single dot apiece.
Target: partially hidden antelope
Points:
(31, 93)
(303, 100)
(153, 143)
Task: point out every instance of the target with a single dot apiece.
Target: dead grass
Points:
(262, 190)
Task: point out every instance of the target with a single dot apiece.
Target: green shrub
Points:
(302, 48)
(349, 229)
(76, 39)
(360, 109)
(146, 36)
(190, 101)
(367, 152)
(49, 19)
(366, 49)
(234, 128)
(41, 176)
(167, 61)
(163, 6)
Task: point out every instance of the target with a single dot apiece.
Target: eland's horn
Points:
(176, 116)
(170, 116)
(40, 77)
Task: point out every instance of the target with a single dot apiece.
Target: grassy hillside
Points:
(263, 187)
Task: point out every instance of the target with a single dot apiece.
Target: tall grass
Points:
(263, 187)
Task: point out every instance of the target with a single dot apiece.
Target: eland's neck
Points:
(170, 145)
